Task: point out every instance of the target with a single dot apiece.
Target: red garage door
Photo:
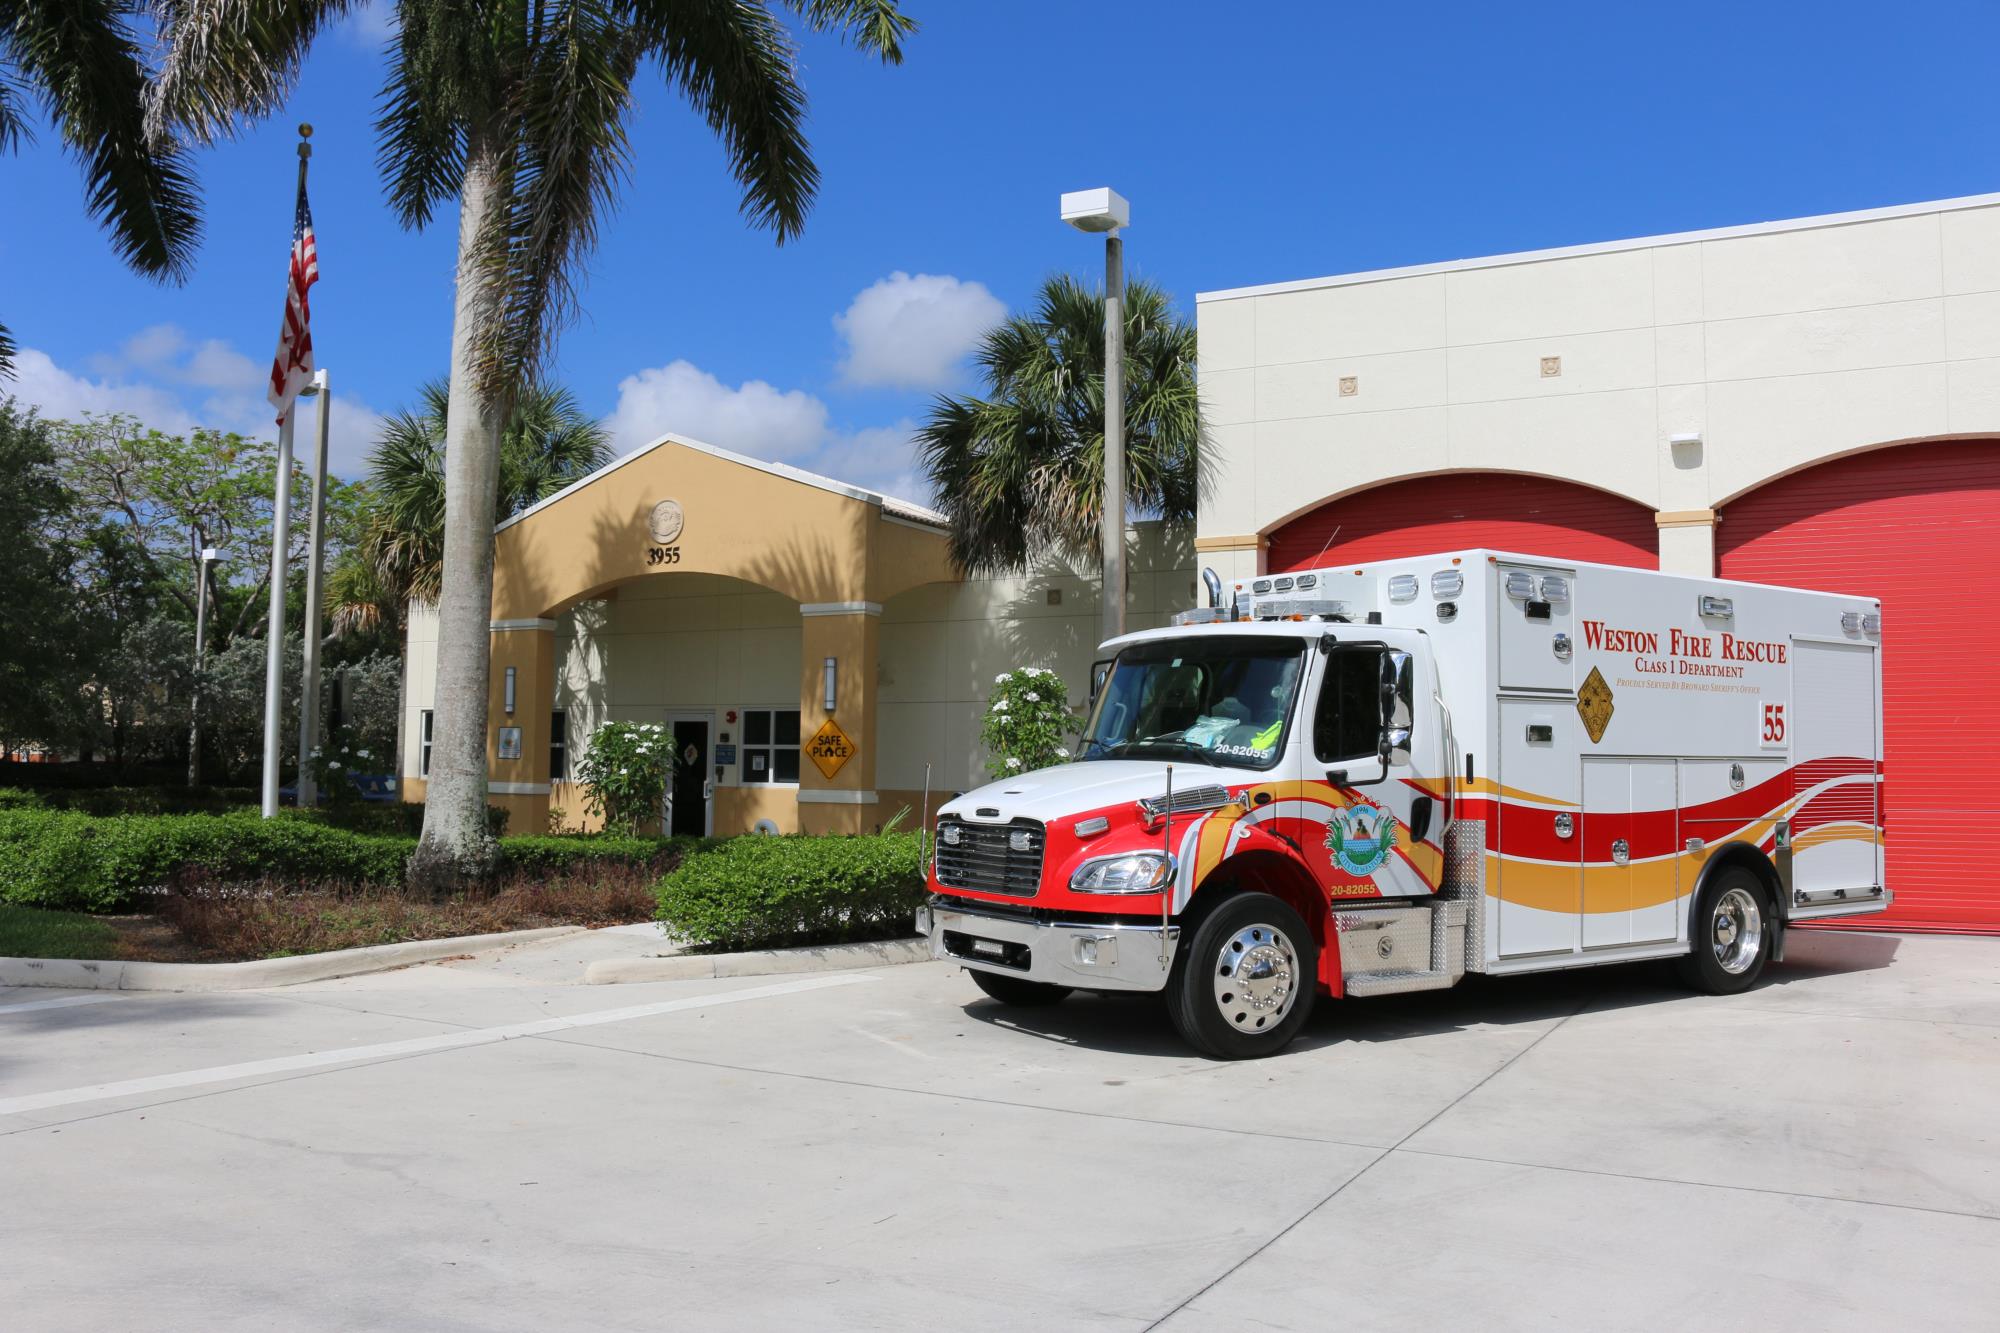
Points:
(1917, 526)
(1532, 515)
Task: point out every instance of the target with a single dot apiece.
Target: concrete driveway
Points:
(479, 1146)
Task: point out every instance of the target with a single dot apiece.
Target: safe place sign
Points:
(830, 748)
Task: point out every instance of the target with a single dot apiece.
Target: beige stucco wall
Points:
(943, 644)
(1779, 345)
(665, 644)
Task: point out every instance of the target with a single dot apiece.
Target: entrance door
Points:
(689, 796)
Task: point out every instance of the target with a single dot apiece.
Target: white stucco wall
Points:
(1780, 345)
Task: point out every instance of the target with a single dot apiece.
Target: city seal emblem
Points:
(1361, 838)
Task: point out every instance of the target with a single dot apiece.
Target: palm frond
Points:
(83, 59)
(1020, 471)
(872, 25)
(737, 67)
(421, 116)
(6, 354)
(570, 157)
(228, 63)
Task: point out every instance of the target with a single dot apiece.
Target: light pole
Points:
(1106, 211)
(209, 555)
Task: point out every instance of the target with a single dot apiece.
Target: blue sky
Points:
(1257, 144)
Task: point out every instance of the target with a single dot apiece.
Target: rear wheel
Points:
(1018, 990)
(1244, 981)
(1731, 930)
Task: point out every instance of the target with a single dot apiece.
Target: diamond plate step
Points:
(1397, 983)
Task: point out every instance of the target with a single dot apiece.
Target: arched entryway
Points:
(1915, 525)
(1450, 511)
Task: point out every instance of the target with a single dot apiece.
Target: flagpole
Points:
(315, 559)
(281, 538)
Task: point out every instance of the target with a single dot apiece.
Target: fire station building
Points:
(744, 606)
(1813, 403)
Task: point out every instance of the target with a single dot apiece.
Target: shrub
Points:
(64, 859)
(14, 798)
(1027, 717)
(624, 773)
(772, 892)
(393, 819)
(561, 853)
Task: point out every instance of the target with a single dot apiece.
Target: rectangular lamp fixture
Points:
(832, 676)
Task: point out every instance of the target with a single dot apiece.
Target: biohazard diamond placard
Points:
(830, 748)
(1593, 705)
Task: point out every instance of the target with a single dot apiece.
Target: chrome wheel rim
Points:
(1737, 931)
(1256, 978)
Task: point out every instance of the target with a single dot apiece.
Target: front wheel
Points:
(1243, 985)
(1731, 934)
(1018, 991)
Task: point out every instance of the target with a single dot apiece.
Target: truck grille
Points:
(990, 858)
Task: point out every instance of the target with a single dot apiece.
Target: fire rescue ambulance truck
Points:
(1359, 782)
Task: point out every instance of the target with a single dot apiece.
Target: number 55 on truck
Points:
(1368, 781)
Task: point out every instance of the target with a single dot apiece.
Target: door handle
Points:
(1621, 852)
(1420, 818)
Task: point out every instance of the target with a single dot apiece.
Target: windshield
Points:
(1219, 701)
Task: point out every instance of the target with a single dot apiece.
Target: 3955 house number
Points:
(663, 555)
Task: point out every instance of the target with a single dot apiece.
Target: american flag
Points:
(292, 366)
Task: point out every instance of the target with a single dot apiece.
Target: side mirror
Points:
(1398, 707)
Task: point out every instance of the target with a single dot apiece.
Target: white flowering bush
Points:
(624, 773)
(1028, 719)
(340, 761)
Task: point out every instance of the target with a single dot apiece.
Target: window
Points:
(1225, 698)
(424, 746)
(559, 746)
(1348, 722)
(770, 745)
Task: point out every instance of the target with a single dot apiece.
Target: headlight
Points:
(1136, 872)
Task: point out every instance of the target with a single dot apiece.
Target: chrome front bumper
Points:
(1092, 955)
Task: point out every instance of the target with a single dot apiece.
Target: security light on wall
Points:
(1687, 439)
(509, 704)
(832, 677)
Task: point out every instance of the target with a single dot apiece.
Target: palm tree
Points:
(1020, 472)
(549, 442)
(517, 109)
(80, 61)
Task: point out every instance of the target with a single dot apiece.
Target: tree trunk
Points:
(455, 846)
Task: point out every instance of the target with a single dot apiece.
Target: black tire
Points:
(1018, 991)
(1248, 925)
(1731, 933)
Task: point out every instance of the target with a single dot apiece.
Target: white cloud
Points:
(911, 331)
(371, 24)
(760, 420)
(154, 378)
(753, 418)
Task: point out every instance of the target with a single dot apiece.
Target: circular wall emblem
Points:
(666, 522)
(1361, 838)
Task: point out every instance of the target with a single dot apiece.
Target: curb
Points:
(85, 974)
(763, 963)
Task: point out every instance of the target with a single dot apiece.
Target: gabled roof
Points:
(906, 510)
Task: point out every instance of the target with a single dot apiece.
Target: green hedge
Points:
(553, 853)
(62, 859)
(165, 800)
(752, 893)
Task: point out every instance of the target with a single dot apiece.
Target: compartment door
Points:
(1836, 742)
(1631, 852)
(1537, 629)
(1541, 888)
